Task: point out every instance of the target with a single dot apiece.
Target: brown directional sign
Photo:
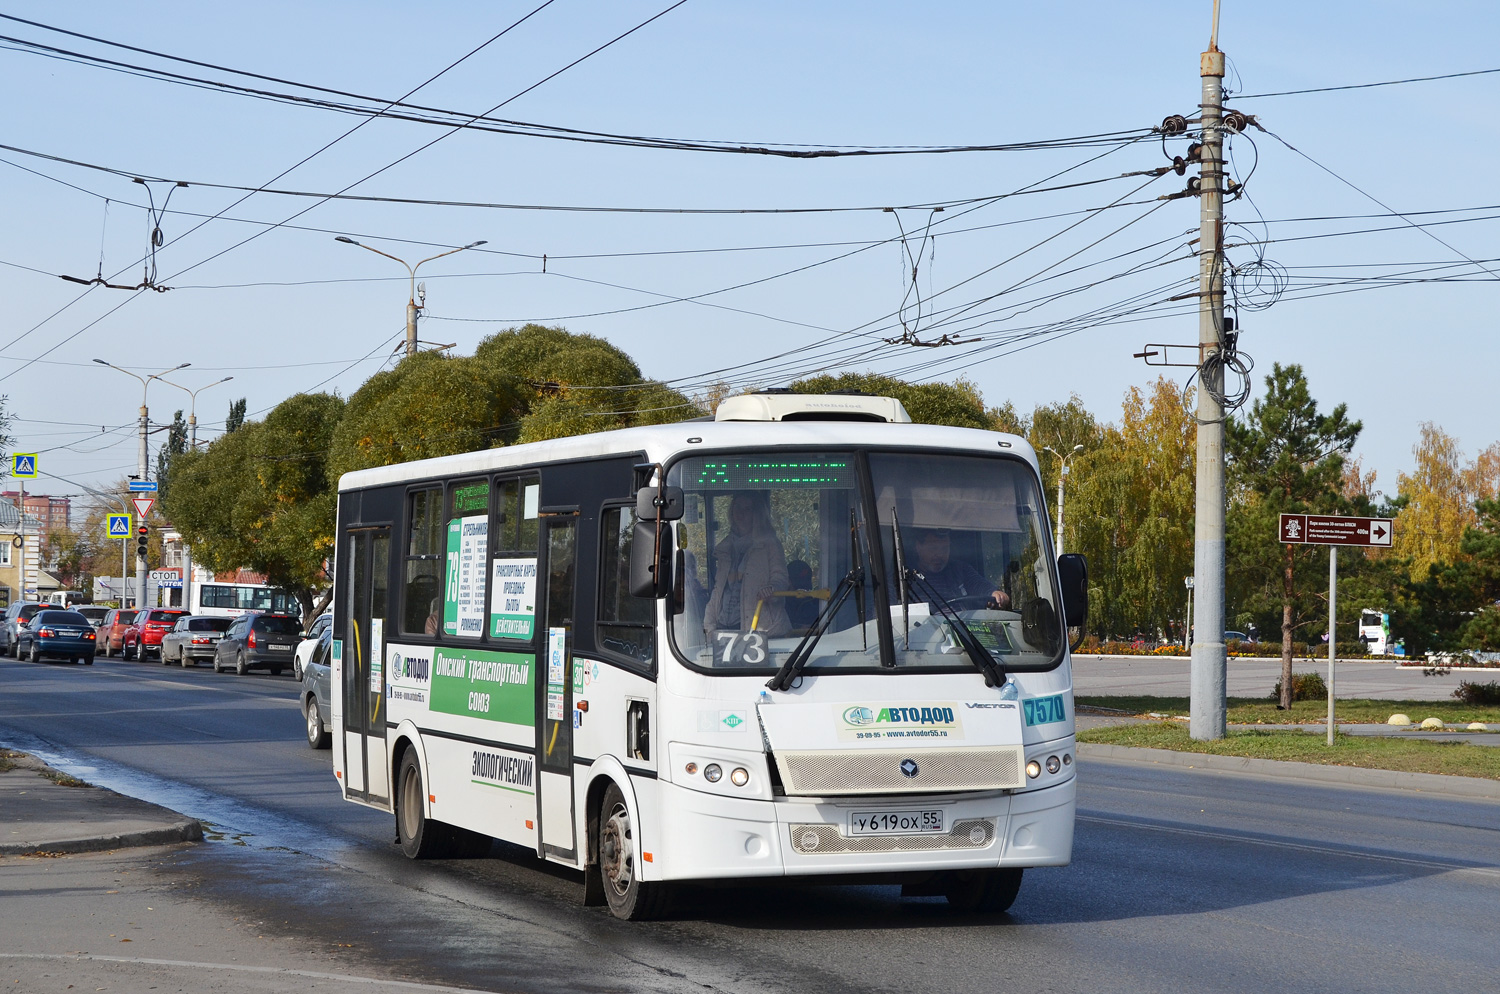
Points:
(1334, 529)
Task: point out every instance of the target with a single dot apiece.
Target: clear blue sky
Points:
(293, 310)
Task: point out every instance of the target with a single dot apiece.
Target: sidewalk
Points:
(39, 813)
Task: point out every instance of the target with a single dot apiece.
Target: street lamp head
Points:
(101, 362)
(345, 239)
(1077, 449)
(476, 244)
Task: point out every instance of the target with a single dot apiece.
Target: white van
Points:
(66, 598)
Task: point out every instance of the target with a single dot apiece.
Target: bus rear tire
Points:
(628, 896)
(983, 891)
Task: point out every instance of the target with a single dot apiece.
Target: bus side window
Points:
(625, 625)
(422, 584)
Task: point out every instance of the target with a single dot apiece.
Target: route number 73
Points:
(739, 648)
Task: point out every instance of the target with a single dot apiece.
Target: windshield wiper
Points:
(994, 676)
(901, 585)
(800, 655)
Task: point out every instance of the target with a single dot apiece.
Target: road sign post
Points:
(1334, 530)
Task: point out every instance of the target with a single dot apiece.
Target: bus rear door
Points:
(367, 573)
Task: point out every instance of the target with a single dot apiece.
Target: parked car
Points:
(57, 633)
(16, 617)
(309, 643)
(94, 614)
(194, 637)
(258, 639)
(316, 708)
(112, 630)
(143, 636)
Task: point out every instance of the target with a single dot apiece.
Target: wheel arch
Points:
(607, 771)
(406, 738)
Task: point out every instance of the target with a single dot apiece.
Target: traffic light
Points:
(142, 535)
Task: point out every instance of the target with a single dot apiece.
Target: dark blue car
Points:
(57, 634)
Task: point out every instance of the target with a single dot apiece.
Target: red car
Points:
(143, 637)
(112, 630)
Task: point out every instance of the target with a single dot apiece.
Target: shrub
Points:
(1305, 687)
(1478, 693)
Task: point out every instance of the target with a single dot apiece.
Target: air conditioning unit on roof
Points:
(811, 407)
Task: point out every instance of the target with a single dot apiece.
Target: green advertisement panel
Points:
(496, 686)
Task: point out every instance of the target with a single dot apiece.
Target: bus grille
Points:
(971, 833)
(827, 773)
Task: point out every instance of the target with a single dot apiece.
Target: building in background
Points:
(34, 584)
(51, 513)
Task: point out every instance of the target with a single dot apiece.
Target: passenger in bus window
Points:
(434, 617)
(949, 577)
(749, 567)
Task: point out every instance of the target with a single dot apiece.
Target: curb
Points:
(1427, 783)
(188, 830)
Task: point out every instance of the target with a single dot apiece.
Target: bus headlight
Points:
(1053, 765)
(713, 772)
(740, 776)
(1033, 769)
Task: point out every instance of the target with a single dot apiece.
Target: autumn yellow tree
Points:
(1439, 496)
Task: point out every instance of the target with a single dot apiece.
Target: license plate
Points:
(280, 648)
(926, 822)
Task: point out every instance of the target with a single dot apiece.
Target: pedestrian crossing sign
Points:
(119, 526)
(23, 464)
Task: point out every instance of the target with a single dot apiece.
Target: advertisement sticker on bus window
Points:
(531, 499)
(513, 613)
(557, 648)
(495, 686)
(377, 652)
(463, 596)
(897, 721)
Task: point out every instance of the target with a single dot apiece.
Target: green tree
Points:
(1285, 457)
(1058, 428)
(236, 418)
(263, 498)
(174, 446)
(1130, 505)
(958, 403)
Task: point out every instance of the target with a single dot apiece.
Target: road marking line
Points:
(271, 970)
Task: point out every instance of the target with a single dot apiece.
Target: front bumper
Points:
(711, 836)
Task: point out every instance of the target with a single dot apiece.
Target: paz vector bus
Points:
(804, 638)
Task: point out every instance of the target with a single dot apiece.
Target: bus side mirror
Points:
(652, 503)
(650, 563)
(1073, 578)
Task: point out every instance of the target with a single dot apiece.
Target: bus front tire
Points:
(629, 897)
(983, 891)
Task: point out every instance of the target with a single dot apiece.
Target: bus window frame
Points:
(521, 476)
(610, 656)
(878, 554)
(408, 518)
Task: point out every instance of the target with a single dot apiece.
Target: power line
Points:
(1365, 86)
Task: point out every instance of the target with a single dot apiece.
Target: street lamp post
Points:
(187, 550)
(411, 301)
(1062, 476)
(143, 463)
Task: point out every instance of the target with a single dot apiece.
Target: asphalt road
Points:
(1181, 878)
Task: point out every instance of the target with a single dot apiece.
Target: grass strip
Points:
(1371, 753)
(1262, 711)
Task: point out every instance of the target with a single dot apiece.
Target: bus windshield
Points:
(773, 542)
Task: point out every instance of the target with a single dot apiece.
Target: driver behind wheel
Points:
(950, 578)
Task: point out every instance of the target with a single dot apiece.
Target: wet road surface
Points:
(1180, 877)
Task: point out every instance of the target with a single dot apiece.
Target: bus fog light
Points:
(1033, 769)
(1053, 765)
(691, 768)
(713, 773)
(740, 776)
(1067, 759)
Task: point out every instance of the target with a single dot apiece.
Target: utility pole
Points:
(143, 464)
(187, 550)
(1209, 663)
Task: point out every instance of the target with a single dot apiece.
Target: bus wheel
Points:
(985, 891)
(419, 836)
(628, 896)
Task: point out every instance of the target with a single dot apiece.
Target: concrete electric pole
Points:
(1209, 671)
(412, 310)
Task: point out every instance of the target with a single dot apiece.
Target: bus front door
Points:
(367, 577)
(555, 704)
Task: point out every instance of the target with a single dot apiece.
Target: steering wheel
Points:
(973, 602)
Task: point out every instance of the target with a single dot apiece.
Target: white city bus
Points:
(806, 638)
(228, 600)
